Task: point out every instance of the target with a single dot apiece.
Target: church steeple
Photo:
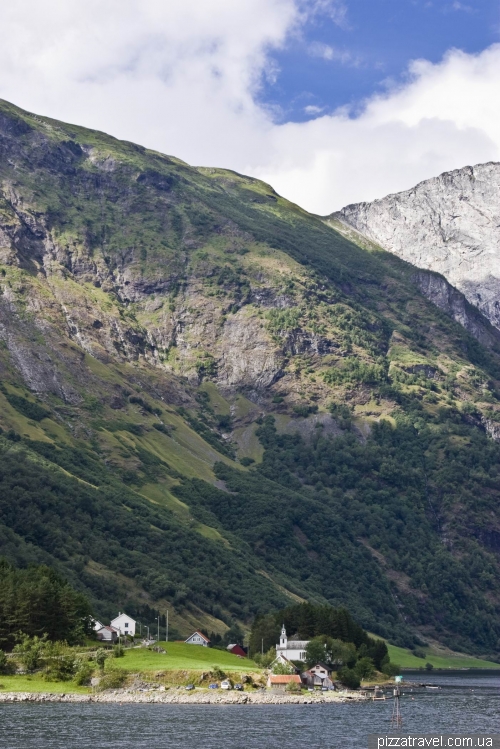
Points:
(283, 637)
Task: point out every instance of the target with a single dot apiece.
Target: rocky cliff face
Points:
(449, 224)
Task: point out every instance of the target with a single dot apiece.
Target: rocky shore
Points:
(197, 697)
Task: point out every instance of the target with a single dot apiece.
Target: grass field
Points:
(405, 659)
(181, 656)
(35, 683)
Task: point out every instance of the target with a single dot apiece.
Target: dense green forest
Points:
(36, 601)
(394, 494)
(51, 517)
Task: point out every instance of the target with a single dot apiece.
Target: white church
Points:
(292, 650)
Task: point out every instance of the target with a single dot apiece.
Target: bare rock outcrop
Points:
(449, 224)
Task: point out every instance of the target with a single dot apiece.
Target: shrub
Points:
(118, 651)
(100, 657)
(27, 408)
(218, 673)
(305, 410)
(83, 674)
(282, 668)
(353, 370)
(247, 461)
(364, 668)
(60, 668)
(349, 678)
(30, 651)
(293, 686)
(429, 666)
(60, 663)
(6, 666)
(418, 653)
(162, 428)
(223, 421)
(264, 660)
(389, 668)
(113, 679)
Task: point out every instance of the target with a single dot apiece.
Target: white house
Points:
(124, 624)
(197, 638)
(293, 650)
(97, 625)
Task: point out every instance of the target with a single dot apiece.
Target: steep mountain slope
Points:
(213, 401)
(449, 224)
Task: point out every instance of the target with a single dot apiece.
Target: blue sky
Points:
(332, 64)
(330, 101)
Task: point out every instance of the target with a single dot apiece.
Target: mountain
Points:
(214, 402)
(449, 224)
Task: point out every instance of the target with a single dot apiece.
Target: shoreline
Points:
(174, 697)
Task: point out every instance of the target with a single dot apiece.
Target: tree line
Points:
(37, 602)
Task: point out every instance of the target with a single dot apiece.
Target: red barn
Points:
(237, 650)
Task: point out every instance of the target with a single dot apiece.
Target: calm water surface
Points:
(463, 703)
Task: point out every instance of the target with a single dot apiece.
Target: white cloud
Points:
(313, 109)
(336, 10)
(444, 116)
(462, 6)
(327, 52)
(182, 76)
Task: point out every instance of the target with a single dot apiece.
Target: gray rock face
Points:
(449, 224)
(453, 302)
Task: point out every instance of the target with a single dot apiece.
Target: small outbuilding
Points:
(318, 676)
(279, 682)
(237, 650)
(107, 634)
(198, 638)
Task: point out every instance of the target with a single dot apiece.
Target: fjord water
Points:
(464, 703)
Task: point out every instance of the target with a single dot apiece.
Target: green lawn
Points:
(35, 683)
(181, 656)
(405, 659)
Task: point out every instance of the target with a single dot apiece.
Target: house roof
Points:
(321, 664)
(122, 613)
(237, 650)
(284, 678)
(197, 632)
(280, 658)
(111, 629)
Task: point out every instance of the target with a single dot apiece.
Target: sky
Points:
(330, 101)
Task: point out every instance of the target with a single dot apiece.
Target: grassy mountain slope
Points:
(214, 401)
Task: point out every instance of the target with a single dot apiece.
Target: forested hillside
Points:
(213, 402)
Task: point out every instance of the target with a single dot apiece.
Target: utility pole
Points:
(262, 646)
(397, 718)
(158, 620)
(166, 640)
